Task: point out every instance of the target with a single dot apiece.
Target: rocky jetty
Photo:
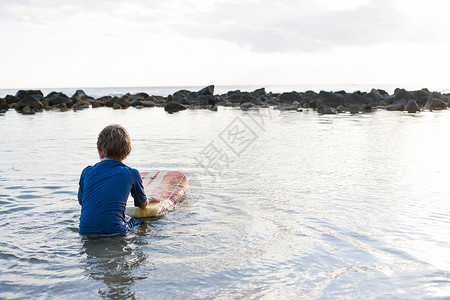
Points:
(324, 102)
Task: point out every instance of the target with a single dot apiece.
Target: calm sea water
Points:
(282, 205)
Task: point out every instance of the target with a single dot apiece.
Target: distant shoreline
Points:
(324, 102)
(97, 92)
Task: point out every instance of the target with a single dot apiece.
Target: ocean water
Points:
(282, 205)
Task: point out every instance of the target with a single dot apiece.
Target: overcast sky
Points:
(101, 43)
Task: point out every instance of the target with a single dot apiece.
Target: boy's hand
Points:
(144, 205)
(153, 200)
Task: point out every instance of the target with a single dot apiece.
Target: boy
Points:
(104, 187)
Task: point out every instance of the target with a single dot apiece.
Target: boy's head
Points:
(114, 142)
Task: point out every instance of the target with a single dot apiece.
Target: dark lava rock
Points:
(141, 95)
(108, 101)
(195, 98)
(270, 101)
(36, 94)
(81, 94)
(11, 99)
(122, 102)
(205, 100)
(377, 97)
(28, 104)
(31, 101)
(241, 97)
(97, 104)
(159, 100)
(79, 105)
(179, 99)
(331, 99)
(259, 93)
(257, 101)
(111, 101)
(309, 99)
(136, 102)
(412, 106)
(389, 99)
(105, 99)
(383, 92)
(434, 103)
(225, 103)
(439, 96)
(397, 105)
(357, 102)
(181, 93)
(172, 107)
(421, 97)
(325, 110)
(341, 109)
(289, 98)
(148, 103)
(400, 94)
(27, 110)
(191, 97)
(3, 105)
(55, 98)
(229, 93)
(209, 90)
(139, 99)
(246, 106)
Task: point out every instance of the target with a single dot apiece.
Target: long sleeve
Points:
(137, 189)
(80, 188)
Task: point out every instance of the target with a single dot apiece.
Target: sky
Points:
(119, 43)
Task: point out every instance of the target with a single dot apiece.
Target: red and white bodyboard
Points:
(164, 190)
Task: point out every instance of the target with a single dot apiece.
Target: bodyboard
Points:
(163, 189)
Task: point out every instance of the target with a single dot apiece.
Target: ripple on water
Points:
(327, 207)
(52, 187)
(17, 187)
(14, 209)
(72, 193)
(28, 196)
(5, 202)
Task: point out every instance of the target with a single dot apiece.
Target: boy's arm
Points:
(137, 190)
(79, 194)
(80, 189)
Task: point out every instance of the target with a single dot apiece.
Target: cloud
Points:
(283, 26)
(260, 25)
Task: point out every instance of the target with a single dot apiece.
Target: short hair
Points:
(115, 142)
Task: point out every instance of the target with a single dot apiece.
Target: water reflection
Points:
(112, 261)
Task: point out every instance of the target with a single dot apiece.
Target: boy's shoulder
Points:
(133, 172)
(86, 169)
(98, 165)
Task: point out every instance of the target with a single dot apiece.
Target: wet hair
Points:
(115, 142)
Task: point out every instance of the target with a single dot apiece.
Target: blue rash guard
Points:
(103, 194)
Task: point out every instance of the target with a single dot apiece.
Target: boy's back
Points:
(104, 187)
(105, 190)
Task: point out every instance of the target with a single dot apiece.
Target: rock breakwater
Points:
(324, 102)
